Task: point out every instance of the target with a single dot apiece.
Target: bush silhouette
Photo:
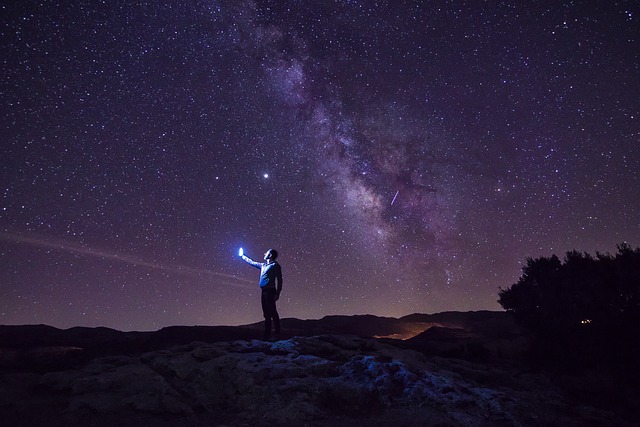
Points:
(583, 310)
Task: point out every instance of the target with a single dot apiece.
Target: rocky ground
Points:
(324, 380)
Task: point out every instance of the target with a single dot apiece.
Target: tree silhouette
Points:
(583, 309)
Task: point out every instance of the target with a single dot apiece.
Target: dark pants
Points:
(269, 310)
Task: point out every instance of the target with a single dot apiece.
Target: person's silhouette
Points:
(271, 285)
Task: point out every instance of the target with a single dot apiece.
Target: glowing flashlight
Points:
(240, 252)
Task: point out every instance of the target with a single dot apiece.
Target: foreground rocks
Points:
(317, 381)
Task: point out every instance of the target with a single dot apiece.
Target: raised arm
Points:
(250, 261)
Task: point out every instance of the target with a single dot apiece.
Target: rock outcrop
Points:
(323, 380)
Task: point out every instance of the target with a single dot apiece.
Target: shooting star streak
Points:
(394, 198)
(75, 248)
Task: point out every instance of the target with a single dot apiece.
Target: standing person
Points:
(271, 285)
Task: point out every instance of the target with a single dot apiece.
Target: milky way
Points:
(401, 156)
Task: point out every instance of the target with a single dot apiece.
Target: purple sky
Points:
(401, 156)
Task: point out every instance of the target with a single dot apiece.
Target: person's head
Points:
(271, 255)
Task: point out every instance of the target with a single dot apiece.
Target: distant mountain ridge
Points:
(31, 345)
(21, 336)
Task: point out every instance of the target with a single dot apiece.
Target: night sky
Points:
(402, 156)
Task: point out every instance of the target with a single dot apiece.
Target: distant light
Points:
(266, 175)
(240, 252)
(585, 321)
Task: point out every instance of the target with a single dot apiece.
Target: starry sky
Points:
(402, 156)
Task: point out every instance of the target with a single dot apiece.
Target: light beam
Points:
(75, 248)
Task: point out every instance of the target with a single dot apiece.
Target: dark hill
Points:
(44, 347)
(494, 324)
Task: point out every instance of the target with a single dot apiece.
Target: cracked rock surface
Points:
(317, 381)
